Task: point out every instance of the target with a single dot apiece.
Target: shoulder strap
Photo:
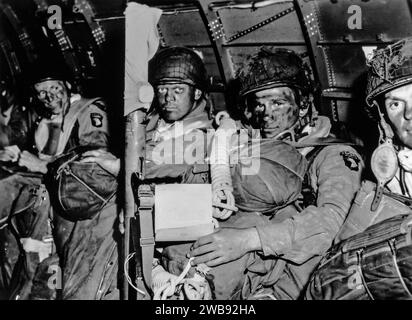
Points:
(398, 197)
(147, 240)
(70, 119)
(308, 194)
(328, 141)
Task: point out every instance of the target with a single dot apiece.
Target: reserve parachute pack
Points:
(80, 190)
(373, 252)
(373, 265)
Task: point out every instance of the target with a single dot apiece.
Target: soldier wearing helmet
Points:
(282, 75)
(179, 78)
(180, 107)
(375, 228)
(278, 99)
(67, 122)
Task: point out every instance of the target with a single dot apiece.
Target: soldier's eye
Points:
(42, 94)
(162, 90)
(394, 105)
(277, 103)
(178, 90)
(260, 107)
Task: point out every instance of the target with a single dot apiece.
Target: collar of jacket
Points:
(196, 119)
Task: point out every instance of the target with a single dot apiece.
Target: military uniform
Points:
(296, 237)
(261, 199)
(87, 248)
(372, 255)
(333, 177)
(53, 137)
(167, 145)
(305, 230)
(15, 130)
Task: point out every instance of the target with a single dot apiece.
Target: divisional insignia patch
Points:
(97, 119)
(351, 160)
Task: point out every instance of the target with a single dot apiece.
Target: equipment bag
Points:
(80, 190)
(374, 264)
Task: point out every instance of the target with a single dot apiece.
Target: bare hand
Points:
(224, 245)
(10, 153)
(32, 162)
(103, 158)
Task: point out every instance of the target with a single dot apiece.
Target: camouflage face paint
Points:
(53, 94)
(398, 106)
(175, 101)
(274, 111)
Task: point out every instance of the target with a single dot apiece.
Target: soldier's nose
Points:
(408, 110)
(49, 96)
(169, 96)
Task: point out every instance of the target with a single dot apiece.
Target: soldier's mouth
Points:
(270, 126)
(170, 107)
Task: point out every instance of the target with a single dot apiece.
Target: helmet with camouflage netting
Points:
(389, 68)
(274, 68)
(178, 65)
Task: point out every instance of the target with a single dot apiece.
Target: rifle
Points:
(141, 44)
(135, 134)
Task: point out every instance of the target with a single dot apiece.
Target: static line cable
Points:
(223, 199)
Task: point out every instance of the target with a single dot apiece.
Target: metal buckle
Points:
(145, 242)
(47, 239)
(146, 197)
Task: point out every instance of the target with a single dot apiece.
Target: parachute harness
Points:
(165, 285)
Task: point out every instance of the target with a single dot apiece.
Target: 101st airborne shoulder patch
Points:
(351, 160)
(97, 119)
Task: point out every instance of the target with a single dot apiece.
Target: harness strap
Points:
(318, 144)
(147, 242)
(75, 111)
(308, 194)
(327, 141)
(380, 234)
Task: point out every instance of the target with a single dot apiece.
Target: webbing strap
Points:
(379, 234)
(75, 112)
(147, 242)
(327, 141)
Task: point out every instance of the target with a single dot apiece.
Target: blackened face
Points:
(175, 101)
(398, 105)
(274, 110)
(53, 94)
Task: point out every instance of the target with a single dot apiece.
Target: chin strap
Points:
(385, 131)
(308, 115)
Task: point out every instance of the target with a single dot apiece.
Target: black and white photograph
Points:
(217, 151)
